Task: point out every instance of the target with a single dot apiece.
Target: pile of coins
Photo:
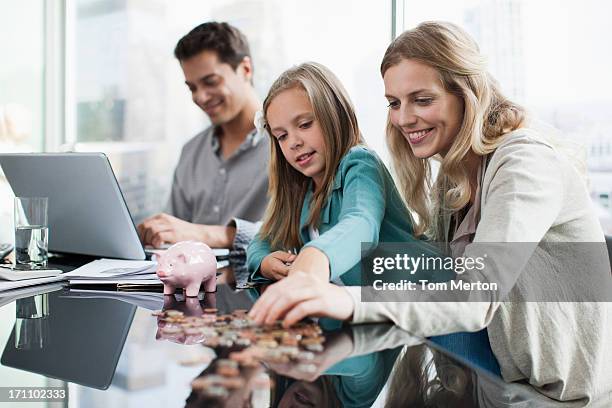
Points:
(253, 344)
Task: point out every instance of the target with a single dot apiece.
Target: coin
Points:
(290, 351)
(228, 371)
(216, 391)
(312, 340)
(171, 329)
(289, 341)
(305, 356)
(306, 368)
(314, 347)
(233, 383)
(224, 362)
(211, 342)
(267, 343)
(240, 312)
(223, 342)
(174, 313)
(243, 342)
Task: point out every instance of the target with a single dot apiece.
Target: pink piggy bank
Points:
(186, 265)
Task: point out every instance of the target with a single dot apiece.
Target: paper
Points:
(147, 300)
(8, 273)
(112, 268)
(10, 296)
(118, 281)
(122, 273)
(8, 285)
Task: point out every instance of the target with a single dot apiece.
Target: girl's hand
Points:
(300, 295)
(276, 265)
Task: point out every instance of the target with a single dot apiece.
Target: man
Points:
(220, 183)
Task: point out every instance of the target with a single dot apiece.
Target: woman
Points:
(498, 182)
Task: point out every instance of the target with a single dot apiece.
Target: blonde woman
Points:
(328, 192)
(498, 182)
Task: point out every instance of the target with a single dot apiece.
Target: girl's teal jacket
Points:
(364, 207)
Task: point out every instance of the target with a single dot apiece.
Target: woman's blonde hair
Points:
(334, 111)
(487, 116)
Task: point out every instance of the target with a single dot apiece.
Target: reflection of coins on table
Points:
(227, 368)
(253, 344)
(267, 343)
(306, 368)
(234, 383)
(305, 356)
(171, 329)
(216, 391)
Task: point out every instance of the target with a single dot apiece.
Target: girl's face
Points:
(292, 123)
(426, 114)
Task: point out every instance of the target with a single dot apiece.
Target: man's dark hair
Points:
(228, 42)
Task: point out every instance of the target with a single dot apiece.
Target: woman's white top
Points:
(530, 193)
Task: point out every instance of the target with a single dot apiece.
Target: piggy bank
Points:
(186, 265)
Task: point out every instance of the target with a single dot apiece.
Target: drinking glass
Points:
(31, 232)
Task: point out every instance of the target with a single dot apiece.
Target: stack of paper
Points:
(9, 285)
(10, 296)
(123, 274)
(148, 300)
(114, 271)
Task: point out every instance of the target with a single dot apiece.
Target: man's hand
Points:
(276, 265)
(165, 229)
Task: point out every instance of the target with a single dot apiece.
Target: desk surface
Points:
(112, 351)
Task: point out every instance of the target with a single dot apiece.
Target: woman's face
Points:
(292, 123)
(426, 114)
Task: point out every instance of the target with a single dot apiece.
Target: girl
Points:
(328, 192)
(498, 182)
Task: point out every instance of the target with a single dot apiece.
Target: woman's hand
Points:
(300, 295)
(276, 265)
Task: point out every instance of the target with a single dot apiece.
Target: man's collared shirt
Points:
(208, 189)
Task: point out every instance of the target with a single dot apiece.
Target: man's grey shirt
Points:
(208, 189)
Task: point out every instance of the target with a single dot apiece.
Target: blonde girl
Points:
(328, 191)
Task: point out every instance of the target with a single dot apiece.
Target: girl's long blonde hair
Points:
(488, 115)
(334, 111)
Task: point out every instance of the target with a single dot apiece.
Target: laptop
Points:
(87, 213)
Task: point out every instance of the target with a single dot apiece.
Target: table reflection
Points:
(31, 323)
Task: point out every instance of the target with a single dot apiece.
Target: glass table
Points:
(108, 348)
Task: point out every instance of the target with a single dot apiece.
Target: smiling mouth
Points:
(304, 158)
(418, 136)
(210, 106)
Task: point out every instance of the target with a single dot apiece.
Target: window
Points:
(554, 58)
(130, 100)
(21, 91)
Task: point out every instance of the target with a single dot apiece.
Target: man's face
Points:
(215, 87)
